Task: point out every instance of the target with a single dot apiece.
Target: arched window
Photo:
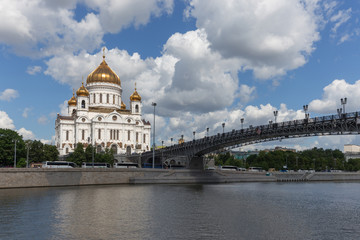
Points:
(111, 134)
(94, 95)
(82, 134)
(144, 138)
(99, 134)
(83, 104)
(107, 98)
(67, 150)
(100, 97)
(67, 135)
(113, 99)
(129, 135)
(137, 137)
(136, 108)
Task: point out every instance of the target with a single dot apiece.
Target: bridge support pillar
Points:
(196, 163)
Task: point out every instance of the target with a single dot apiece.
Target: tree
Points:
(50, 153)
(88, 153)
(7, 147)
(36, 151)
(78, 156)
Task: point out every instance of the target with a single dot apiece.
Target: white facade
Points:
(97, 116)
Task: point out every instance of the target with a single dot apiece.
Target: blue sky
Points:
(203, 62)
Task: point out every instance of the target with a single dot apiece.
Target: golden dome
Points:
(123, 106)
(72, 101)
(135, 96)
(82, 91)
(103, 73)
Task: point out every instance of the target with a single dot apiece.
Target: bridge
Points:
(193, 151)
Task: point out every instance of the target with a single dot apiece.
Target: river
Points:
(206, 211)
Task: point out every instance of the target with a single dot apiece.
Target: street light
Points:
(339, 111)
(343, 102)
(194, 135)
(276, 114)
(306, 108)
(242, 123)
(207, 132)
(153, 162)
(27, 154)
(171, 139)
(15, 153)
(223, 125)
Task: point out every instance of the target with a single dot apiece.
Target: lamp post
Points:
(276, 114)
(153, 162)
(223, 126)
(242, 123)
(171, 139)
(194, 134)
(207, 132)
(339, 111)
(306, 108)
(15, 154)
(343, 102)
(27, 155)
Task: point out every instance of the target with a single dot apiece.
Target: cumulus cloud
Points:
(33, 70)
(45, 28)
(268, 37)
(6, 121)
(8, 94)
(332, 94)
(27, 134)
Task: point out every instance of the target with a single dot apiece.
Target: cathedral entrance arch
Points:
(114, 149)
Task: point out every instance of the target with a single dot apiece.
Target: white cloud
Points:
(340, 18)
(64, 108)
(27, 134)
(333, 92)
(26, 112)
(32, 70)
(6, 121)
(9, 94)
(269, 37)
(43, 120)
(45, 28)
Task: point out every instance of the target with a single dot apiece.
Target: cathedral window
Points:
(67, 135)
(111, 136)
(113, 99)
(117, 134)
(82, 134)
(137, 137)
(107, 98)
(94, 98)
(129, 135)
(100, 97)
(99, 134)
(144, 138)
(83, 104)
(67, 150)
(136, 108)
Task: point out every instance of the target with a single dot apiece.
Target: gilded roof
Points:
(135, 96)
(82, 91)
(103, 73)
(72, 101)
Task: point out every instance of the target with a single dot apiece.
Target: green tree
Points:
(7, 147)
(36, 151)
(50, 153)
(78, 156)
(88, 153)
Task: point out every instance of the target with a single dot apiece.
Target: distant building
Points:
(98, 116)
(284, 149)
(351, 151)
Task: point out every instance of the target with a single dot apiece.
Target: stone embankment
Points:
(20, 178)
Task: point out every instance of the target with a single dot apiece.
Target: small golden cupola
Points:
(135, 96)
(82, 91)
(103, 73)
(72, 101)
(123, 106)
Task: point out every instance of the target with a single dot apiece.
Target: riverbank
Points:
(25, 178)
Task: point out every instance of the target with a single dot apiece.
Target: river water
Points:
(209, 211)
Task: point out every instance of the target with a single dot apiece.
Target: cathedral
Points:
(98, 116)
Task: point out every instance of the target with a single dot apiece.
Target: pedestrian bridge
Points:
(340, 124)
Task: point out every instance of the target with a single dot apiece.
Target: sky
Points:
(204, 62)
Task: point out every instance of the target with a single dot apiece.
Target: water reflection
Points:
(223, 211)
